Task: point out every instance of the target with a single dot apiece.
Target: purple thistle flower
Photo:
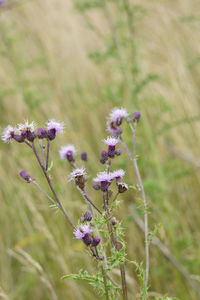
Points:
(84, 156)
(117, 115)
(118, 174)
(68, 152)
(111, 142)
(27, 130)
(54, 127)
(81, 231)
(104, 179)
(8, 134)
(26, 126)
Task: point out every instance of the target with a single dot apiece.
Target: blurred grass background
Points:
(74, 61)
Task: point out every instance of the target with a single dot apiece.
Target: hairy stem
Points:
(116, 244)
(105, 283)
(143, 196)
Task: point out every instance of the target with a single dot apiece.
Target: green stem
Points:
(105, 283)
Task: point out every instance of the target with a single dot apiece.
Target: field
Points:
(74, 62)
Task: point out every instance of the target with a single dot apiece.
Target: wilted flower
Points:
(104, 179)
(79, 177)
(122, 187)
(8, 134)
(53, 128)
(81, 231)
(68, 152)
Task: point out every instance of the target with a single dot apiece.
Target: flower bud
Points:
(136, 116)
(41, 133)
(96, 186)
(25, 176)
(118, 152)
(87, 216)
(30, 136)
(18, 138)
(51, 134)
(96, 241)
(87, 239)
(84, 156)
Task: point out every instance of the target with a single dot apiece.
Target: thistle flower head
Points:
(55, 125)
(26, 126)
(118, 114)
(79, 177)
(67, 152)
(118, 174)
(103, 176)
(81, 231)
(8, 134)
(79, 172)
(111, 141)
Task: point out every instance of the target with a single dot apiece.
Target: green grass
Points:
(50, 68)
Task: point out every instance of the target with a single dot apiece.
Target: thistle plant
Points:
(99, 228)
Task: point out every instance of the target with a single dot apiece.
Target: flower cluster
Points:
(111, 152)
(115, 120)
(28, 131)
(104, 179)
(85, 233)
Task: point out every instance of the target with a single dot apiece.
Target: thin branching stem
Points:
(86, 197)
(47, 157)
(51, 186)
(44, 192)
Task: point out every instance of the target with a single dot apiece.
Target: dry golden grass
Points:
(46, 73)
